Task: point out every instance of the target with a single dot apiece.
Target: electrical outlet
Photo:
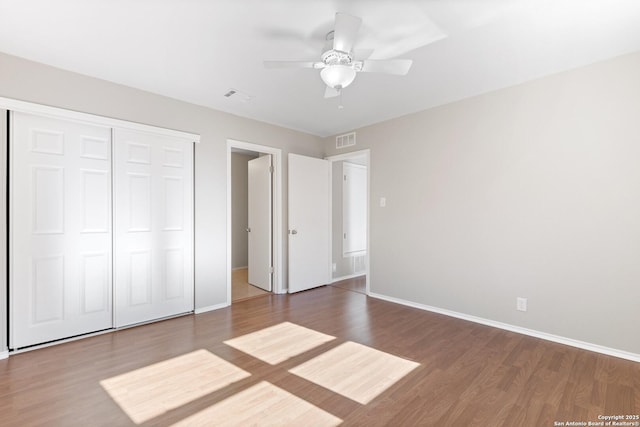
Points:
(383, 202)
(521, 304)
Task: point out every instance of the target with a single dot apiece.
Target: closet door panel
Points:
(153, 226)
(60, 229)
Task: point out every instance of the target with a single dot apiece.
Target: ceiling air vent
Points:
(238, 96)
(346, 140)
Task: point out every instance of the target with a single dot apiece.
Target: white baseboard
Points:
(350, 276)
(4, 354)
(211, 308)
(520, 330)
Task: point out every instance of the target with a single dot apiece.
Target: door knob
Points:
(293, 231)
(248, 230)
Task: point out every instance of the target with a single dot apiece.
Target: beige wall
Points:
(239, 209)
(530, 191)
(29, 81)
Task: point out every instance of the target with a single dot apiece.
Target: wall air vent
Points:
(346, 140)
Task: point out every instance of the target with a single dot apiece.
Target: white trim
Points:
(330, 217)
(102, 332)
(62, 341)
(350, 155)
(350, 276)
(278, 272)
(354, 165)
(9, 285)
(112, 171)
(517, 329)
(346, 156)
(354, 254)
(61, 113)
(211, 308)
(4, 264)
(239, 268)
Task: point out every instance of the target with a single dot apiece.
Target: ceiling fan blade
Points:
(293, 64)
(362, 54)
(345, 31)
(331, 92)
(388, 66)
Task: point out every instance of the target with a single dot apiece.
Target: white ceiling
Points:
(196, 50)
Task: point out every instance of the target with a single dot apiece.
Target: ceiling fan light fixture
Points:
(338, 76)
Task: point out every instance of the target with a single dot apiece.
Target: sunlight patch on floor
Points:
(355, 371)
(262, 405)
(278, 343)
(148, 392)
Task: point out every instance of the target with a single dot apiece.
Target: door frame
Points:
(347, 156)
(278, 282)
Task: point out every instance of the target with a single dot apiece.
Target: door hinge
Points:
(271, 269)
(345, 177)
(270, 169)
(344, 236)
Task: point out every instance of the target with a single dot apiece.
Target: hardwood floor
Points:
(240, 287)
(357, 284)
(217, 368)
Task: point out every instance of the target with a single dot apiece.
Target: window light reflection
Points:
(148, 392)
(261, 405)
(355, 371)
(278, 343)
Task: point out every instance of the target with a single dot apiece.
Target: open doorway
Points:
(350, 221)
(254, 220)
(241, 286)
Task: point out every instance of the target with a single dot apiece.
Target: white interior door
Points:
(354, 209)
(60, 229)
(153, 226)
(309, 222)
(259, 224)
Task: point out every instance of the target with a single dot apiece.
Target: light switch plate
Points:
(521, 304)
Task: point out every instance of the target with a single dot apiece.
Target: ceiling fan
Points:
(338, 63)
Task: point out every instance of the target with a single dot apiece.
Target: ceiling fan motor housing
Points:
(338, 72)
(337, 57)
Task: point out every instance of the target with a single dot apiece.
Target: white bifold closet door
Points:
(60, 214)
(153, 197)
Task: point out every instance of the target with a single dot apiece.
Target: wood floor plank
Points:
(240, 287)
(466, 374)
